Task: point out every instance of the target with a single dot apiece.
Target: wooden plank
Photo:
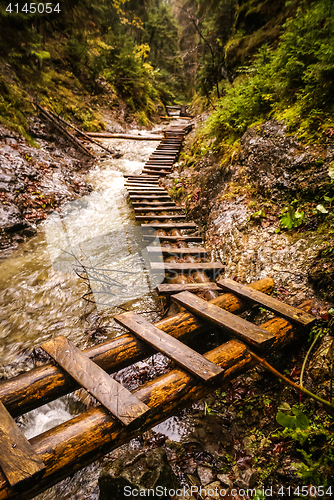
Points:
(147, 171)
(188, 239)
(18, 459)
(149, 205)
(244, 330)
(285, 310)
(140, 185)
(167, 153)
(146, 179)
(163, 156)
(160, 217)
(177, 251)
(162, 159)
(170, 149)
(179, 267)
(116, 398)
(168, 226)
(150, 197)
(143, 183)
(158, 174)
(141, 177)
(159, 163)
(146, 191)
(183, 355)
(158, 208)
(169, 289)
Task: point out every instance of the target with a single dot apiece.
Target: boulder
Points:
(139, 471)
(11, 219)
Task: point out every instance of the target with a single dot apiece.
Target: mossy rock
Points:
(139, 471)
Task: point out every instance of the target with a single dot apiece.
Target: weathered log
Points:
(74, 444)
(46, 383)
(64, 131)
(107, 135)
(83, 134)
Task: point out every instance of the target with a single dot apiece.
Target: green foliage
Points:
(260, 214)
(315, 446)
(291, 218)
(295, 82)
(131, 47)
(298, 419)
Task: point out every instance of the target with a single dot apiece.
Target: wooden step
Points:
(188, 267)
(150, 197)
(188, 239)
(152, 205)
(244, 330)
(112, 395)
(169, 226)
(183, 355)
(143, 180)
(168, 289)
(158, 174)
(170, 149)
(141, 177)
(162, 157)
(140, 185)
(156, 166)
(159, 163)
(163, 154)
(285, 310)
(160, 217)
(177, 251)
(158, 208)
(143, 190)
(18, 459)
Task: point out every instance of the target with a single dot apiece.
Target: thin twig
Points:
(273, 370)
(306, 358)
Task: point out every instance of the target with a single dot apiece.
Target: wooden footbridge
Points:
(29, 467)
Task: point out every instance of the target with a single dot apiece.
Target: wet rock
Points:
(276, 162)
(205, 474)
(225, 480)
(212, 491)
(137, 470)
(320, 366)
(321, 273)
(246, 478)
(11, 218)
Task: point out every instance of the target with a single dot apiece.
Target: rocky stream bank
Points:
(35, 181)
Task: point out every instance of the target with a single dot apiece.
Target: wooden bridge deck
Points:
(121, 415)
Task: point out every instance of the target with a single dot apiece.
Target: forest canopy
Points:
(248, 59)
